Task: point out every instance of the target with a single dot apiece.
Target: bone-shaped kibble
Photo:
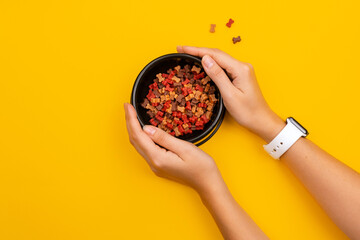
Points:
(230, 23)
(212, 28)
(236, 40)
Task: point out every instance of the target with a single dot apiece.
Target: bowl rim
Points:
(218, 118)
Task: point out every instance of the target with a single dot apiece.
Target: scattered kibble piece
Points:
(230, 23)
(236, 40)
(212, 28)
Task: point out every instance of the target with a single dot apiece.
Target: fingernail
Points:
(208, 62)
(149, 129)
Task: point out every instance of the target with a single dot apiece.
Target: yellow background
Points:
(66, 67)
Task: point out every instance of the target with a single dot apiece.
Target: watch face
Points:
(298, 125)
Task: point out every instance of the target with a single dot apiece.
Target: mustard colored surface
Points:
(67, 168)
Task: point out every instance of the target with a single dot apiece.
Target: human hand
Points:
(182, 161)
(241, 93)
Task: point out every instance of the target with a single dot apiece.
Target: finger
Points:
(141, 141)
(169, 142)
(158, 158)
(217, 74)
(235, 69)
(223, 59)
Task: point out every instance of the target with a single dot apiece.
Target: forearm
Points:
(232, 220)
(334, 185)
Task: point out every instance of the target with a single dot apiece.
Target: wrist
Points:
(213, 191)
(217, 195)
(269, 126)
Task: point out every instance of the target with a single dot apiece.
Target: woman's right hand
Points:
(177, 159)
(241, 93)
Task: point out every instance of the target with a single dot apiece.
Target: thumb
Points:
(217, 74)
(167, 141)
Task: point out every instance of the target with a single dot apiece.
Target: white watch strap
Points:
(284, 140)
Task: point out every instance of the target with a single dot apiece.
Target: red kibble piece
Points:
(199, 127)
(167, 82)
(159, 118)
(169, 125)
(170, 81)
(199, 123)
(154, 86)
(160, 113)
(172, 74)
(188, 105)
(150, 95)
(185, 118)
(199, 88)
(181, 129)
(188, 131)
(177, 114)
(202, 105)
(204, 118)
(178, 122)
(199, 76)
(172, 133)
(184, 91)
(167, 103)
(168, 88)
(185, 82)
(230, 23)
(193, 119)
(153, 122)
(236, 40)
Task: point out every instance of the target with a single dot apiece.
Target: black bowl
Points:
(161, 65)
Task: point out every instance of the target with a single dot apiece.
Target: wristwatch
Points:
(286, 138)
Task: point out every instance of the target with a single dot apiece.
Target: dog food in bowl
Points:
(180, 101)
